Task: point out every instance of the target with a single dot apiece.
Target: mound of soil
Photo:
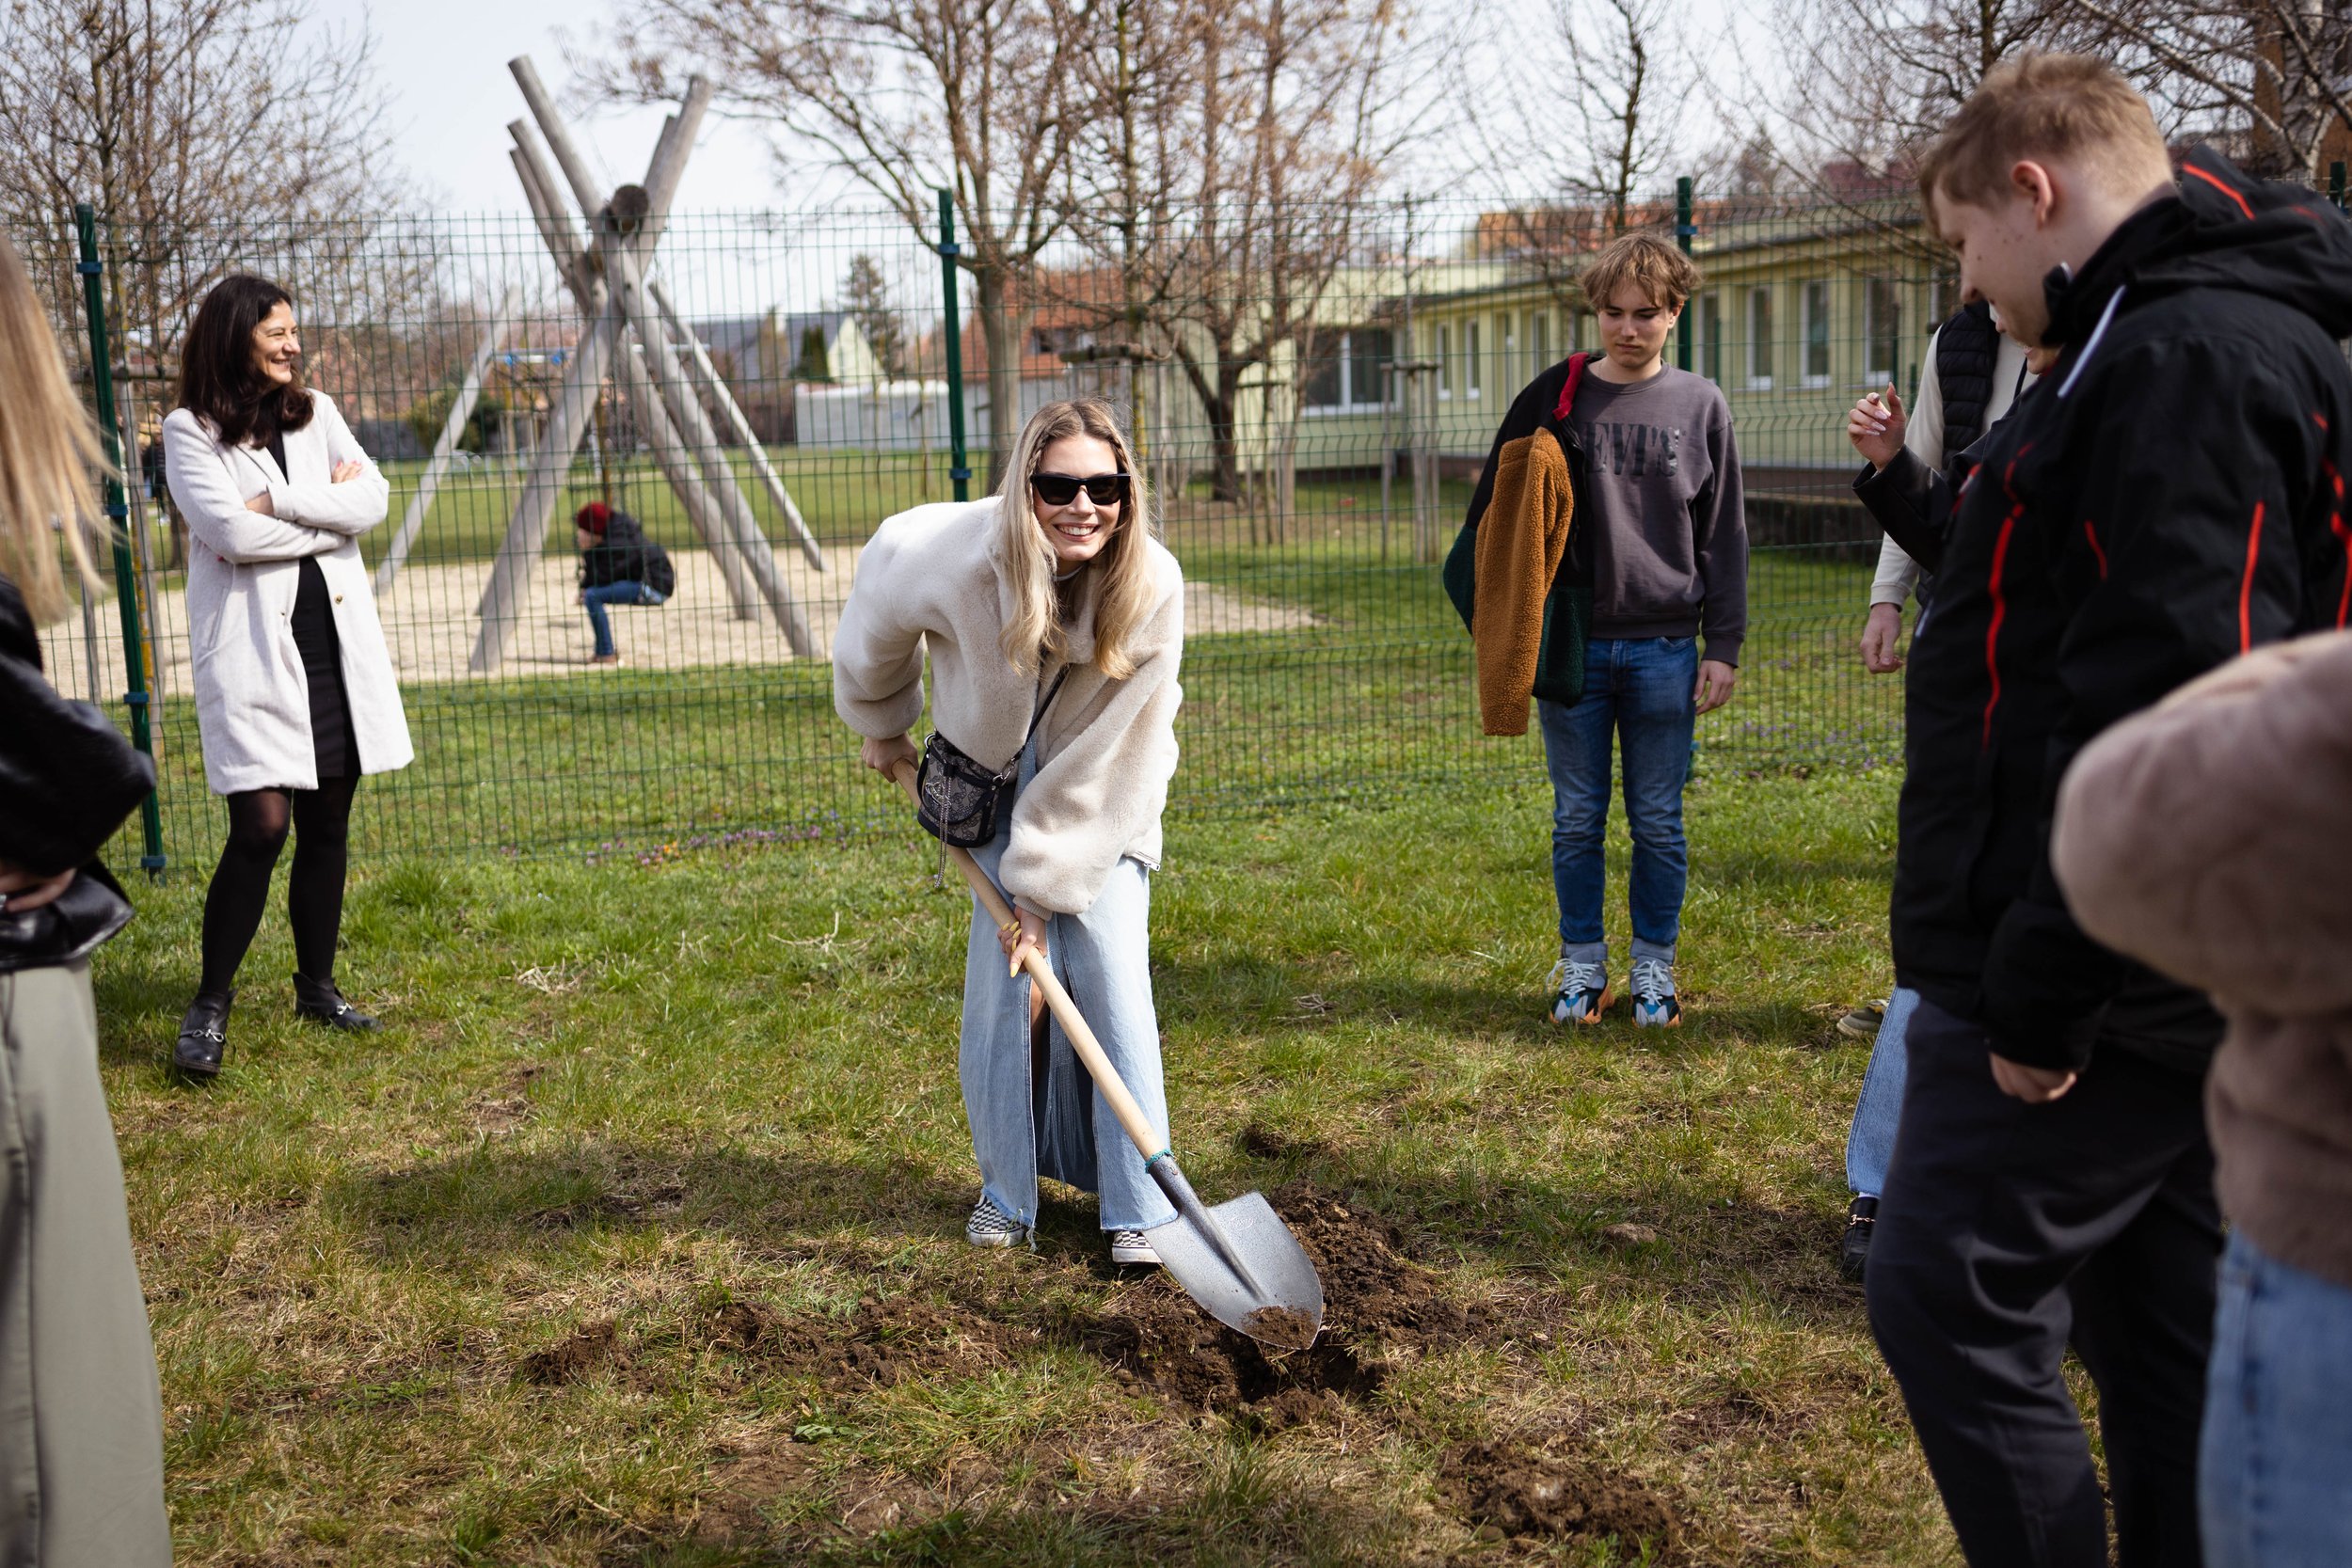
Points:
(592, 1346)
(1522, 1493)
(1370, 1288)
(1156, 1335)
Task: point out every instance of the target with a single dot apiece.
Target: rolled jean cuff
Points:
(1663, 951)
(1585, 952)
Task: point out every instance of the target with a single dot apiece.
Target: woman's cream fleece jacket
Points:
(1106, 749)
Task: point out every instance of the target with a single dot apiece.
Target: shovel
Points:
(1238, 1260)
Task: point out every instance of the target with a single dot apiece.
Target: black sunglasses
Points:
(1061, 489)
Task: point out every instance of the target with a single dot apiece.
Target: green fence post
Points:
(93, 273)
(2335, 183)
(1684, 230)
(958, 461)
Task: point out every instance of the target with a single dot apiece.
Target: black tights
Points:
(258, 819)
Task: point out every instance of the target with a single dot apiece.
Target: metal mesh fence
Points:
(1312, 427)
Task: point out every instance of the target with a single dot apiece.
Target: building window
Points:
(1346, 371)
(1445, 360)
(1881, 328)
(1539, 340)
(1470, 378)
(1507, 352)
(1760, 339)
(1817, 333)
(1707, 335)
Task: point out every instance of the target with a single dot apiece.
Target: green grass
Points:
(669, 1093)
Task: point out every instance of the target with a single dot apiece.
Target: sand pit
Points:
(430, 622)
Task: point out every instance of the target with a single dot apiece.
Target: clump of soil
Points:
(1522, 1493)
(1285, 1327)
(595, 1344)
(1156, 1336)
(1368, 1285)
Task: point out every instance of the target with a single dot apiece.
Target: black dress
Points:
(333, 741)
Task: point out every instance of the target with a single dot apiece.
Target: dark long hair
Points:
(217, 381)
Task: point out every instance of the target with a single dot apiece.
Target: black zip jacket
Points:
(2170, 495)
(620, 557)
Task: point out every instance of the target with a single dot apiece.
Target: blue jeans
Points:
(1641, 692)
(1870, 1141)
(614, 592)
(2274, 1465)
(1024, 1127)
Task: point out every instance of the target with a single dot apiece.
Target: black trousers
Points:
(2008, 1230)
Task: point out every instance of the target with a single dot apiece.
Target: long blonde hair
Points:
(1035, 633)
(48, 450)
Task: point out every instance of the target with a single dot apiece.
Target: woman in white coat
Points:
(1055, 623)
(294, 691)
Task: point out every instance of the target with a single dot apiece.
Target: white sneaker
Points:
(1134, 1247)
(992, 1226)
(1579, 991)
(1654, 1004)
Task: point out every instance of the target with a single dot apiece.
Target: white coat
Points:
(252, 697)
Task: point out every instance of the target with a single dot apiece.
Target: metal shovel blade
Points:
(1274, 1296)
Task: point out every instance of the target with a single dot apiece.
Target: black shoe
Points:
(321, 1002)
(1853, 1253)
(203, 1036)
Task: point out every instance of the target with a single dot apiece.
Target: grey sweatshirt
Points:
(1661, 499)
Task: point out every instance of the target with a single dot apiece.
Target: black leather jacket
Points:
(67, 779)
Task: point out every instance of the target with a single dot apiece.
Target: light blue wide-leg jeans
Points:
(1870, 1138)
(1023, 1129)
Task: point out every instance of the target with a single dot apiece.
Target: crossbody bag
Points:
(959, 802)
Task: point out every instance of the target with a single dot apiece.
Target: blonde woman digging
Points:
(1054, 622)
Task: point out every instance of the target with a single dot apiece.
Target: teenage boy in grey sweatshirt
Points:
(1658, 528)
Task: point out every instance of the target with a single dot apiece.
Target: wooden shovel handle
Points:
(1107, 1080)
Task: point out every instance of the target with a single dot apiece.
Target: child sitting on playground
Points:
(618, 564)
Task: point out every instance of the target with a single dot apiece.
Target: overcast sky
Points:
(445, 64)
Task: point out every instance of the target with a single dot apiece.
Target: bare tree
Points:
(1585, 113)
(2274, 78)
(898, 94)
(185, 123)
(1284, 139)
(1869, 83)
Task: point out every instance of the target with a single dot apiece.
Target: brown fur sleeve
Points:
(1520, 541)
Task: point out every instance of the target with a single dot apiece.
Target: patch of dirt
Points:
(882, 1342)
(1155, 1337)
(1261, 1142)
(1368, 1285)
(595, 1345)
(1284, 1327)
(1507, 1486)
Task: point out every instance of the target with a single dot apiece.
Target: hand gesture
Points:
(1026, 931)
(1876, 426)
(1881, 635)
(1716, 679)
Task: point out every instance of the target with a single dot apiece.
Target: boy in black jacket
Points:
(618, 564)
(2167, 496)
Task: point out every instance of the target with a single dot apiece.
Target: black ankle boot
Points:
(204, 1035)
(321, 1002)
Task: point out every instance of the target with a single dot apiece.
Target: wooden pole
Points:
(653, 420)
(715, 385)
(584, 384)
(626, 281)
(453, 428)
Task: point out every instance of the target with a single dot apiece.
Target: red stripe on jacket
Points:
(1567, 387)
(2219, 185)
(2092, 534)
(2245, 583)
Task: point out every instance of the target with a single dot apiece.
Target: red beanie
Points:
(595, 518)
